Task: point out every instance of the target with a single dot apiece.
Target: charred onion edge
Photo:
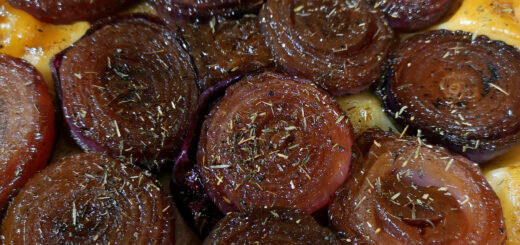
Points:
(56, 62)
(392, 105)
(184, 162)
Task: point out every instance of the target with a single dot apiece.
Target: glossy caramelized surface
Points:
(274, 140)
(340, 45)
(404, 191)
(224, 46)
(70, 11)
(271, 226)
(26, 124)
(128, 88)
(203, 9)
(90, 198)
(459, 89)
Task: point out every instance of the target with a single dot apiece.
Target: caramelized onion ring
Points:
(340, 45)
(225, 46)
(128, 88)
(26, 124)
(271, 226)
(69, 11)
(459, 89)
(404, 191)
(90, 198)
(412, 15)
(273, 140)
(172, 10)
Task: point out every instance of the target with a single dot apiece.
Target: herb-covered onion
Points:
(340, 45)
(173, 10)
(412, 15)
(26, 124)
(90, 198)
(403, 191)
(459, 89)
(128, 88)
(274, 140)
(225, 46)
(271, 226)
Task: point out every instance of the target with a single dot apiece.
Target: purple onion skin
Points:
(184, 162)
(196, 206)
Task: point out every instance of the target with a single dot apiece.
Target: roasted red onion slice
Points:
(271, 226)
(69, 11)
(274, 140)
(459, 89)
(90, 198)
(225, 46)
(26, 124)
(412, 15)
(128, 88)
(403, 191)
(173, 10)
(340, 45)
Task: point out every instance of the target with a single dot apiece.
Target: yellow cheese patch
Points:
(23, 36)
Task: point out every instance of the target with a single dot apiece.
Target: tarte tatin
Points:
(259, 122)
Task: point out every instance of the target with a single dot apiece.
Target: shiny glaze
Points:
(26, 124)
(339, 45)
(404, 191)
(274, 140)
(128, 88)
(459, 89)
(90, 198)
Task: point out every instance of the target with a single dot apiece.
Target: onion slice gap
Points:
(405, 191)
(201, 10)
(68, 11)
(225, 46)
(90, 198)
(271, 226)
(26, 124)
(274, 140)
(340, 45)
(459, 89)
(128, 88)
(413, 15)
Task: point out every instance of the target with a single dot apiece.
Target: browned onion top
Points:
(172, 10)
(459, 89)
(270, 226)
(405, 191)
(90, 198)
(412, 15)
(340, 45)
(225, 46)
(274, 140)
(26, 124)
(129, 89)
(69, 11)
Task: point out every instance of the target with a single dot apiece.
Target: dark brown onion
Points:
(412, 15)
(274, 140)
(271, 226)
(225, 46)
(459, 89)
(90, 198)
(403, 191)
(340, 45)
(69, 11)
(192, 10)
(128, 88)
(26, 124)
